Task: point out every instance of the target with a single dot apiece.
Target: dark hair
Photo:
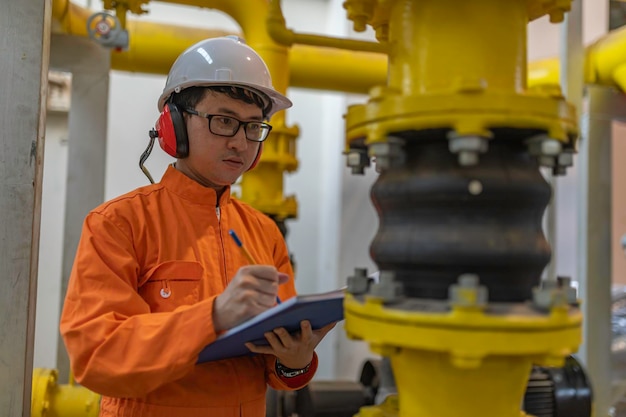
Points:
(190, 97)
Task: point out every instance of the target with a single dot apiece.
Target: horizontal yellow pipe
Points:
(544, 72)
(606, 60)
(311, 67)
(249, 15)
(153, 47)
(279, 32)
(335, 69)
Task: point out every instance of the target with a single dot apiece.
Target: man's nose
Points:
(239, 141)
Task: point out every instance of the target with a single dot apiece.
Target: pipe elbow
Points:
(278, 31)
(619, 76)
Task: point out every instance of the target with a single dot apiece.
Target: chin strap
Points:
(153, 135)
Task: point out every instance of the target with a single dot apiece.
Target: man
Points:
(156, 277)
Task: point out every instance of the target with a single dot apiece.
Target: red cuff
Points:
(301, 380)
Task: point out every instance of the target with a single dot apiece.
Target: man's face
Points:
(217, 161)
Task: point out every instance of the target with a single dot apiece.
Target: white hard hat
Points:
(223, 61)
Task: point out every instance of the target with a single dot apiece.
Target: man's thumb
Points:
(282, 277)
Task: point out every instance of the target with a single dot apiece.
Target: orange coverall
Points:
(139, 304)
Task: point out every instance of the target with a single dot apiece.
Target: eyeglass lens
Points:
(228, 126)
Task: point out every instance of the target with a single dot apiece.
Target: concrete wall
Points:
(619, 203)
(336, 221)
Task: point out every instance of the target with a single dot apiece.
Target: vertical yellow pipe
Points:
(70, 17)
(493, 389)
(461, 66)
(120, 12)
(425, 57)
(263, 186)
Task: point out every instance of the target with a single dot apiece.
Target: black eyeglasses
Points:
(229, 126)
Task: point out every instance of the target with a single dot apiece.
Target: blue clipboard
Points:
(318, 309)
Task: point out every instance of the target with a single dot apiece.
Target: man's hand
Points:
(293, 351)
(252, 291)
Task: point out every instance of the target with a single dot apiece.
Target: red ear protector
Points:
(172, 134)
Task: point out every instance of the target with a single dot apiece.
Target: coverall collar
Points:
(180, 184)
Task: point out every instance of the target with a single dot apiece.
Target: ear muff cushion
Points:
(258, 156)
(180, 128)
(173, 132)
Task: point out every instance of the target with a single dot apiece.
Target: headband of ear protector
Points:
(171, 131)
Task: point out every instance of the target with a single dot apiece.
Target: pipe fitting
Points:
(544, 145)
(548, 151)
(387, 288)
(49, 399)
(388, 154)
(359, 283)
(468, 292)
(468, 148)
(554, 293)
(357, 160)
(359, 12)
(563, 161)
(565, 284)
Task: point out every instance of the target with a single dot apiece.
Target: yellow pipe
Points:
(133, 6)
(120, 12)
(606, 60)
(334, 69)
(605, 64)
(248, 14)
(470, 90)
(153, 47)
(51, 400)
(71, 18)
(544, 72)
(427, 60)
(281, 34)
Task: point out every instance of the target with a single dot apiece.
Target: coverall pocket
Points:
(172, 284)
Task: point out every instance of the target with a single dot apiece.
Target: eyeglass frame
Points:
(209, 117)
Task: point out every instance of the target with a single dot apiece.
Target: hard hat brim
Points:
(277, 102)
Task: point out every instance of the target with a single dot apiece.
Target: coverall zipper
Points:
(219, 227)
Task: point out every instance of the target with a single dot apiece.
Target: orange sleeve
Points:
(117, 347)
